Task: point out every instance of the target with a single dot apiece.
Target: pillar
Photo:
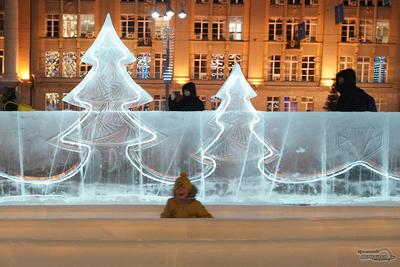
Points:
(11, 41)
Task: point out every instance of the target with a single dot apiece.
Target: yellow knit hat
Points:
(183, 181)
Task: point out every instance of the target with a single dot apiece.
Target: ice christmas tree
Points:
(173, 153)
(106, 94)
(236, 148)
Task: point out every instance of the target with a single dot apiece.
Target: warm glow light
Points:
(24, 75)
(155, 14)
(255, 81)
(328, 73)
(169, 12)
(182, 14)
(327, 82)
(166, 17)
(181, 80)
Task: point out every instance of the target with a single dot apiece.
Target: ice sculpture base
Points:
(239, 236)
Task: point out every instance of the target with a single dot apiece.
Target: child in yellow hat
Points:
(184, 203)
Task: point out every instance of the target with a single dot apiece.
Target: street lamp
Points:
(168, 73)
(182, 14)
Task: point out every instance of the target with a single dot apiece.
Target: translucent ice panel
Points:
(284, 158)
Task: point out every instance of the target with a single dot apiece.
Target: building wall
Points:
(254, 47)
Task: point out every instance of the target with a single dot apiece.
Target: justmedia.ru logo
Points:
(380, 255)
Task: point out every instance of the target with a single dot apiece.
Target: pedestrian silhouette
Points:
(188, 101)
(351, 97)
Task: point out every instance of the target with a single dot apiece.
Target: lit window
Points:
(272, 103)
(277, 2)
(363, 69)
(217, 66)
(292, 26)
(235, 28)
(275, 29)
(289, 103)
(291, 29)
(311, 29)
(294, 2)
(218, 28)
(291, 67)
(87, 26)
(127, 26)
(380, 70)
(237, 2)
(311, 2)
(308, 68)
(348, 30)
(144, 31)
(365, 31)
(159, 102)
(52, 101)
(69, 64)
(307, 103)
(160, 25)
(70, 22)
(160, 61)
(350, 3)
(200, 66)
(366, 3)
(232, 60)
(143, 66)
(274, 70)
(346, 63)
(382, 31)
(53, 22)
(201, 28)
(52, 64)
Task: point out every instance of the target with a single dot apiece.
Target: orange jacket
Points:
(189, 209)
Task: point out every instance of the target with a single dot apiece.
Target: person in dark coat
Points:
(10, 101)
(188, 102)
(351, 97)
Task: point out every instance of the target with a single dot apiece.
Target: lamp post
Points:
(168, 73)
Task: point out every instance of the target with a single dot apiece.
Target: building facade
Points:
(42, 42)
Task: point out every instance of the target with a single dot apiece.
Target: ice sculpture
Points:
(236, 148)
(356, 144)
(305, 143)
(107, 154)
(106, 93)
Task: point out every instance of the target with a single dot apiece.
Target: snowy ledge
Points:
(224, 212)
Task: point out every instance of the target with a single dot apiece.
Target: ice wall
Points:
(316, 158)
